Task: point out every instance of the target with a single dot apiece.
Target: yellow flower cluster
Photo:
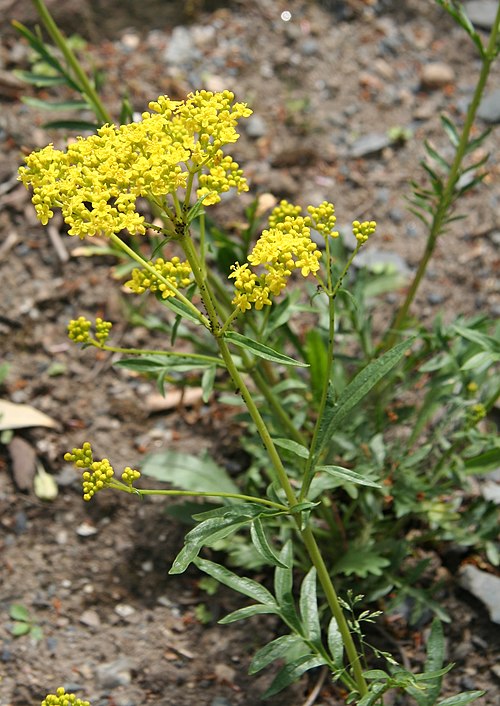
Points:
(98, 180)
(362, 231)
(221, 177)
(284, 247)
(174, 271)
(79, 330)
(324, 219)
(100, 474)
(61, 698)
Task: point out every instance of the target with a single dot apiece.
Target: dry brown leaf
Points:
(21, 416)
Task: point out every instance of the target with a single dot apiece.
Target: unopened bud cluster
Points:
(61, 698)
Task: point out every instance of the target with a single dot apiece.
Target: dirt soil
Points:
(116, 628)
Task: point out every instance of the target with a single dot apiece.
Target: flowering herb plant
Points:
(301, 403)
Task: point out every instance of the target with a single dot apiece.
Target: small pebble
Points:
(436, 75)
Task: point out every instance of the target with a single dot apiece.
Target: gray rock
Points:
(481, 12)
(485, 587)
(113, 674)
(489, 109)
(369, 145)
(220, 701)
(255, 126)
(180, 48)
(491, 491)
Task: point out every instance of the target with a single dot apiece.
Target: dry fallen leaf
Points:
(21, 416)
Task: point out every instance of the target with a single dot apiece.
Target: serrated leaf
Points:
(248, 612)
(261, 543)
(240, 584)
(347, 474)
(291, 672)
(19, 612)
(358, 388)
(261, 351)
(361, 561)
(335, 643)
(293, 447)
(277, 649)
(309, 607)
(188, 472)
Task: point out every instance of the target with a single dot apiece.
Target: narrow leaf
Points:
(260, 350)
(358, 388)
(76, 125)
(335, 643)
(262, 545)
(56, 105)
(283, 588)
(248, 587)
(276, 649)
(181, 309)
(309, 607)
(207, 382)
(248, 612)
(291, 672)
(293, 447)
(462, 699)
(347, 475)
(450, 130)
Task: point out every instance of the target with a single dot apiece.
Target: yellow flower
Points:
(362, 231)
(174, 271)
(61, 698)
(96, 182)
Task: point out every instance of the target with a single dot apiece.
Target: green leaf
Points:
(283, 588)
(248, 612)
(262, 545)
(19, 629)
(450, 130)
(479, 360)
(188, 472)
(19, 612)
(291, 672)
(361, 561)
(293, 447)
(347, 475)
(196, 210)
(277, 649)
(240, 584)
(39, 80)
(308, 603)
(434, 154)
(487, 343)
(466, 697)
(181, 309)
(335, 643)
(358, 388)
(237, 510)
(261, 351)
(75, 125)
(160, 363)
(207, 382)
(434, 661)
(56, 105)
(484, 462)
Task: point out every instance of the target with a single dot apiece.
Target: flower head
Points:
(61, 698)
(174, 271)
(362, 231)
(96, 182)
(99, 474)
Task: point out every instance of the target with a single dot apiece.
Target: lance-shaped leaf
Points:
(335, 643)
(283, 588)
(277, 649)
(262, 351)
(291, 672)
(240, 584)
(347, 475)
(358, 388)
(262, 544)
(308, 603)
(248, 612)
(293, 447)
(466, 697)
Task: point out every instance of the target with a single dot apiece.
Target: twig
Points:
(317, 688)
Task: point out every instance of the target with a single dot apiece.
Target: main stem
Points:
(279, 472)
(446, 200)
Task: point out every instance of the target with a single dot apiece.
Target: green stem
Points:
(279, 472)
(447, 197)
(200, 494)
(59, 40)
(147, 266)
